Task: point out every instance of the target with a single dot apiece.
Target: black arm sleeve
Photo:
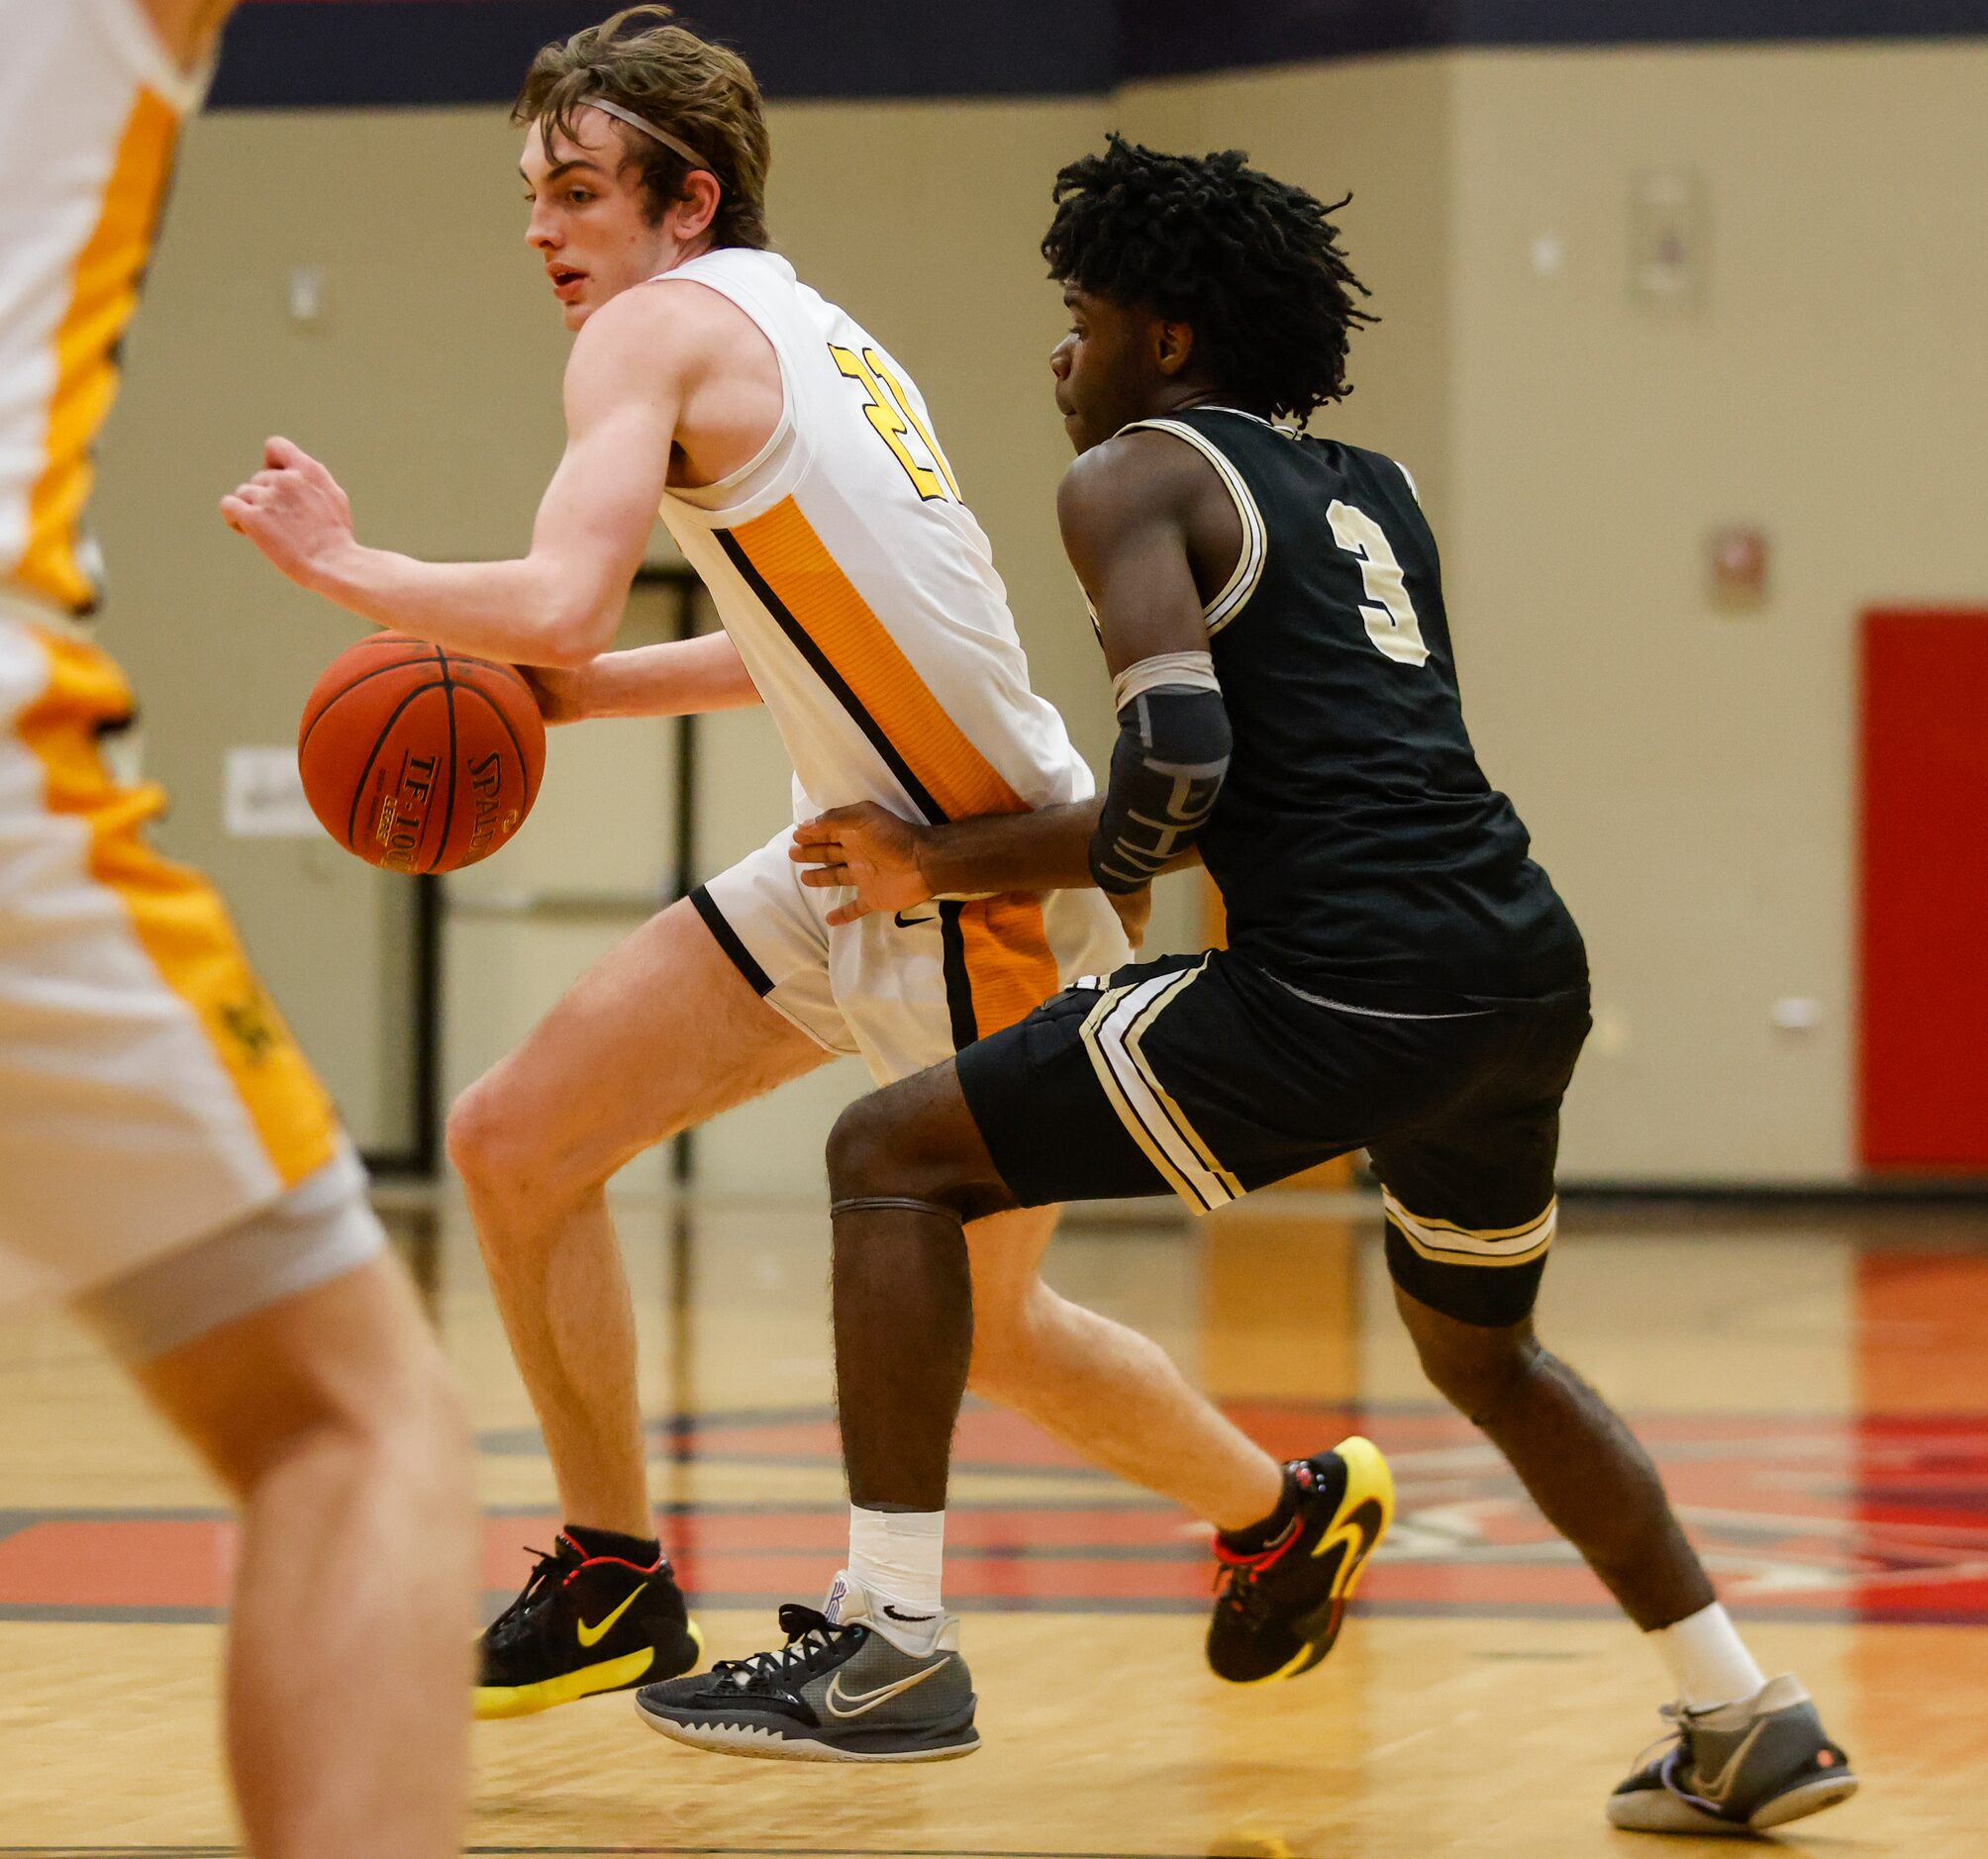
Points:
(1166, 770)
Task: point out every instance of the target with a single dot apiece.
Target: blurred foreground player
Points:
(796, 465)
(168, 1165)
(1400, 977)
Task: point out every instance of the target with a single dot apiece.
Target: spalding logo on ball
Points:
(418, 759)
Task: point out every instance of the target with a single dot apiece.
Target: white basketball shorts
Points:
(150, 1093)
(909, 991)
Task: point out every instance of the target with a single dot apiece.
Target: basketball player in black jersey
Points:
(1400, 977)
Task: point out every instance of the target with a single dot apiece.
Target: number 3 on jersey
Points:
(890, 411)
(1390, 621)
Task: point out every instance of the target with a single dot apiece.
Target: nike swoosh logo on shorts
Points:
(869, 1700)
(593, 1635)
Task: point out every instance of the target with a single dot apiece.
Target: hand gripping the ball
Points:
(293, 510)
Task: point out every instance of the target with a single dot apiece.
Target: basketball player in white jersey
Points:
(168, 1165)
(798, 468)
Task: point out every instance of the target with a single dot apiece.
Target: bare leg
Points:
(1105, 1391)
(1573, 1452)
(907, 1324)
(663, 1033)
(331, 1417)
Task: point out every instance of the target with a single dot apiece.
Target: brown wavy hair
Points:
(704, 94)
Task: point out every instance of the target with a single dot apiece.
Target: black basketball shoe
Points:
(583, 1624)
(1280, 1604)
(839, 1692)
(1740, 1768)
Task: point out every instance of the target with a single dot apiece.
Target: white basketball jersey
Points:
(856, 585)
(90, 106)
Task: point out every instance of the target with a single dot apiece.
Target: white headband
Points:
(663, 136)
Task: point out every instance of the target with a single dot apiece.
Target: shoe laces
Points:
(1670, 1742)
(810, 1634)
(518, 1619)
(1669, 1752)
(1236, 1582)
(1239, 1573)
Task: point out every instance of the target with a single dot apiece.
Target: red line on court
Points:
(1883, 1518)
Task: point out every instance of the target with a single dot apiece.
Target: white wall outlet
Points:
(310, 285)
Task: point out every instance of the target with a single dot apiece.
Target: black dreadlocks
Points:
(1251, 263)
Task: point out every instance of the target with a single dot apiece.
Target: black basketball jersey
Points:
(1360, 852)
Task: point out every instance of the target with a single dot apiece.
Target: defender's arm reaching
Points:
(1125, 508)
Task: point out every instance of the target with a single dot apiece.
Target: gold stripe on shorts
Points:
(1112, 1034)
(1445, 1243)
(177, 917)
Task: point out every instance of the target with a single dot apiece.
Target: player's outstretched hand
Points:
(870, 851)
(293, 511)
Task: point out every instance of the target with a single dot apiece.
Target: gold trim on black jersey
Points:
(1256, 535)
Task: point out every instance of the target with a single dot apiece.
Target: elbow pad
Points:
(1167, 767)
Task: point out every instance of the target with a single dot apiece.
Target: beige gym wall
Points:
(1687, 771)
(1380, 130)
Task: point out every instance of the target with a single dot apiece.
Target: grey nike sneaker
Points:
(838, 1692)
(1740, 1768)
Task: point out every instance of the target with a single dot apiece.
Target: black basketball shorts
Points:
(1204, 1075)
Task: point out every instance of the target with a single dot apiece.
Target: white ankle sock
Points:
(898, 1556)
(1708, 1660)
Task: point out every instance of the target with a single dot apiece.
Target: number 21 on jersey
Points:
(1388, 612)
(890, 411)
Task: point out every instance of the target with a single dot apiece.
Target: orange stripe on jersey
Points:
(180, 922)
(102, 296)
(791, 558)
(1009, 963)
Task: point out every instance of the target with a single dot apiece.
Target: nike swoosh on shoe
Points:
(862, 1702)
(1718, 1787)
(593, 1635)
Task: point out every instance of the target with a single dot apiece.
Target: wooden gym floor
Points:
(1814, 1383)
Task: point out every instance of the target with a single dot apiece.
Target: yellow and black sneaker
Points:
(583, 1624)
(1285, 1589)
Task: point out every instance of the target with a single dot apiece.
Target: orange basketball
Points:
(419, 760)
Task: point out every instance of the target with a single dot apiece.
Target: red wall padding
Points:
(1923, 1070)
